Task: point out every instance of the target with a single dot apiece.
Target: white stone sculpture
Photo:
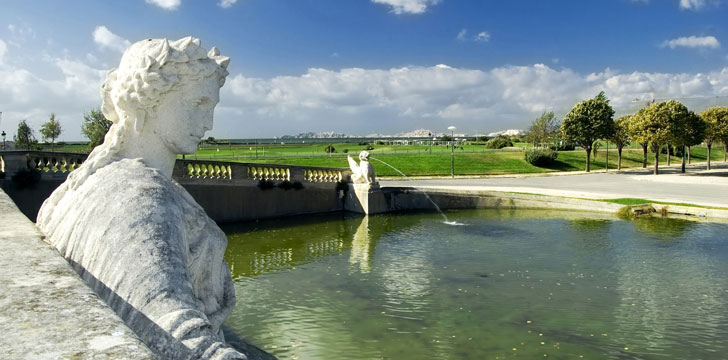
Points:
(362, 173)
(135, 235)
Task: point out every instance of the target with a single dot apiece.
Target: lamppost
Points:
(452, 151)
(3, 134)
(429, 134)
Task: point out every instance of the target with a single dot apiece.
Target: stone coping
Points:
(538, 200)
(46, 310)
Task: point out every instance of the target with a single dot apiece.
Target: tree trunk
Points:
(588, 157)
(725, 151)
(668, 154)
(644, 155)
(657, 160)
(682, 166)
(689, 148)
(709, 146)
(619, 158)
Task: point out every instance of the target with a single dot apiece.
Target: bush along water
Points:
(539, 156)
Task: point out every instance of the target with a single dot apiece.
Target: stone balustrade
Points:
(54, 165)
(191, 171)
(51, 165)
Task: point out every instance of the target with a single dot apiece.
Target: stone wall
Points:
(46, 310)
(228, 191)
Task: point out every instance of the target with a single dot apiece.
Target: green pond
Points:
(505, 284)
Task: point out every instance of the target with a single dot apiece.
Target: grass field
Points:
(416, 160)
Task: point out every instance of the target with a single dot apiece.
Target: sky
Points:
(374, 66)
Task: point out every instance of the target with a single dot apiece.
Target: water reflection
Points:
(362, 249)
(671, 292)
(408, 287)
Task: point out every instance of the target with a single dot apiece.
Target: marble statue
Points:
(134, 234)
(362, 173)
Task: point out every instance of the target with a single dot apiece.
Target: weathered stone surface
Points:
(46, 311)
(132, 233)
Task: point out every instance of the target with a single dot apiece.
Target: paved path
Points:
(700, 187)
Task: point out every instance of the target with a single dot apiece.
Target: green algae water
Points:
(506, 284)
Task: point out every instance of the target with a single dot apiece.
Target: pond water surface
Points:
(507, 284)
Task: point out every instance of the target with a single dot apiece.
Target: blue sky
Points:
(375, 66)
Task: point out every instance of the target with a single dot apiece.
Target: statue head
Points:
(166, 88)
(364, 155)
(163, 85)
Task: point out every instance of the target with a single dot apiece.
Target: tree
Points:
(94, 127)
(716, 119)
(638, 134)
(660, 122)
(24, 137)
(689, 131)
(542, 130)
(620, 137)
(51, 130)
(589, 121)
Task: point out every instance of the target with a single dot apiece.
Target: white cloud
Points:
(408, 6)
(692, 4)
(226, 3)
(106, 39)
(693, 42)
(167, 4)
(362, 101)
(482, 36)
(3, 50)
(69, 89)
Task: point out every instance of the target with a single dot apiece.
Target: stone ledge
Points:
(46, 310)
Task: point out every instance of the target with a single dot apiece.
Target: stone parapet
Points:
(46, 310)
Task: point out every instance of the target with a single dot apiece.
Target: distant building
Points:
(509, 132)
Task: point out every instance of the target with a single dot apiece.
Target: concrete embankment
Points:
(46, 310)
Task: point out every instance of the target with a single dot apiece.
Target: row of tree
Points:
(660, 125)
(94, 128)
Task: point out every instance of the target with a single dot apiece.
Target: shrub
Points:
(330, 149)
(346, 151)
(380, 142)
(285, 185)
(363, 143)
(539, 157)
(266, 184)
(369, 147)
(498, 143)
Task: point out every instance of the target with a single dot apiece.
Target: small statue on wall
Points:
(362, 173)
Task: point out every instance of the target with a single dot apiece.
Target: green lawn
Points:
(416, 160)
(473, 160)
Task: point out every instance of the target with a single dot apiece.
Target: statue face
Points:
(185, 114)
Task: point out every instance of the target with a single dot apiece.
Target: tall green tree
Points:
(589, 121)
(621, 136)
(94, 127)
(51, 130)
(24, 138)
(542, 130)
(637, 133)
(716, 121)
(660, 122)
(689, 130)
